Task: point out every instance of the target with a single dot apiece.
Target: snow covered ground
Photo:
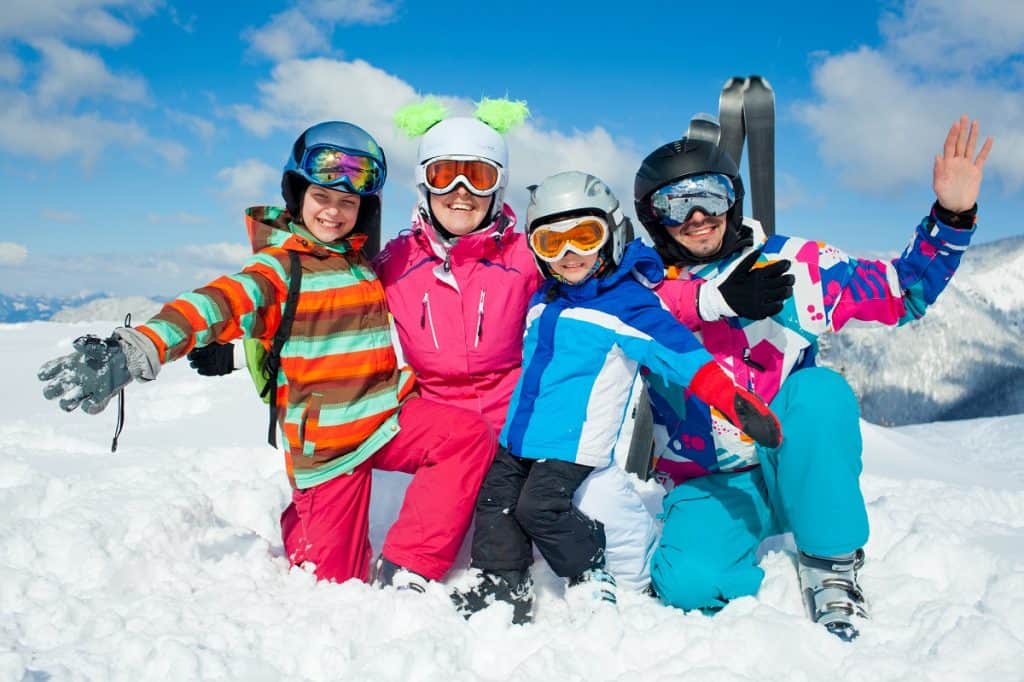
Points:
(163, 561)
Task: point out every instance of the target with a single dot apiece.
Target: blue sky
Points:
(134, 133)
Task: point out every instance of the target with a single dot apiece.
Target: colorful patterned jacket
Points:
(339, 386)
(583, 348)
(460, 311)
(831, 289)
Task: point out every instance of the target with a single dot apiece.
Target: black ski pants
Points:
(523, 500)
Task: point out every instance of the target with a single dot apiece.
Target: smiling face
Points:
(572, 267)
(329, 214)
(701, 234)
(459, 211)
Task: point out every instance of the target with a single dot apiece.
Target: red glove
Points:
(744, 409)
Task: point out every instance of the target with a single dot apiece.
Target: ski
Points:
(759, 121)
(704, 127)
(730, 116)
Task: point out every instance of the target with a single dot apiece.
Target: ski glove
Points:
(97, 369)
(214, 360)
(746, 291)
(741, 407)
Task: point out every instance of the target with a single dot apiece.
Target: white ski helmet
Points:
(573, 193)
(463, 137)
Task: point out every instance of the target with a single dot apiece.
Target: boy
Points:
(590, 327)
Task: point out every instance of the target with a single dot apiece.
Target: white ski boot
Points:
(831, 593)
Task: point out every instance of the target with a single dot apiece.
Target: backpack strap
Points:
(272, 363)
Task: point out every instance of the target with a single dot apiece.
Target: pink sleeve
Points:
(680, 296)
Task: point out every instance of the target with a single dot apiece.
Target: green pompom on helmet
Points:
(417, 118)
(502, 114)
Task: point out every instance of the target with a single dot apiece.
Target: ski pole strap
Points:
(119, 427)
(272, 363)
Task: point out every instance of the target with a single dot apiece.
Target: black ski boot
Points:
(831, 593)
(387, 573)
(512, 587)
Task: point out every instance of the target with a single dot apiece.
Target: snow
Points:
(163, 561)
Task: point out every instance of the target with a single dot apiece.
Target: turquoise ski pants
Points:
(809, 485)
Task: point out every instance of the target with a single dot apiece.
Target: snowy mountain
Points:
(164, 562)
(22, 308)
(110, 309)
(964, 359)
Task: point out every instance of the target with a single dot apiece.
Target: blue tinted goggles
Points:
(674, 203)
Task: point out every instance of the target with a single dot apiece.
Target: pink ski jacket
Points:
(460, 310)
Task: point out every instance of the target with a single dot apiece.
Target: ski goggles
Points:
(674, 203)
(480, 176)
(584, 236)
(333, 167)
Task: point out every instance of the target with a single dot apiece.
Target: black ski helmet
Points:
(350, 138)
(671, 162)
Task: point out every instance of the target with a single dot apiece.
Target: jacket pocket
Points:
(310, 423)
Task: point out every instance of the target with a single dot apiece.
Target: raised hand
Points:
(956, 177)
(90, 376)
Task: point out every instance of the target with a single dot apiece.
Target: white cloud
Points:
(92, 21)
(202, 127)
(70, 74)
(881, 115)
(12, 253)
(250, 183)
(27, 129)
(222, 255)
(952, 35)
(302, 92)
(10, 68)
(57, 216)
(307, 27)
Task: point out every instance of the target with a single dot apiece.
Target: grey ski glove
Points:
(97, 369)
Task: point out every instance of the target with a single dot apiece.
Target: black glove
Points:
(90, 376)
(214, 360)
(753, 293)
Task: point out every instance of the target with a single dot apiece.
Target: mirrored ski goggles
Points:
(331, 167)
(481, 177)
(584, 236)
(674, 203)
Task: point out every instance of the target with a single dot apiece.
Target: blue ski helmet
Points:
(341, 156)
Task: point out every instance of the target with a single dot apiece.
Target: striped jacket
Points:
(583, 348)
(339, 386)
(831, 289)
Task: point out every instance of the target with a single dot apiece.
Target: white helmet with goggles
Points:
(462, 150)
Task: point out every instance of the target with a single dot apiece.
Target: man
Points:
(759, 306)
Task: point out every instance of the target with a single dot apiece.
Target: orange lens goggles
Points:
(480, 177)
(580, 235)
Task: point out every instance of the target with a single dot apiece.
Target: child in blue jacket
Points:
(592, 324)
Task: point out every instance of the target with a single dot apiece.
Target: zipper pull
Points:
(423, 312)
(448, 261)
(480, 319)
(751, 362)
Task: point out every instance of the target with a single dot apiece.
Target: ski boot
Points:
(831, 593)
(387, 573)
(508, 586)
(592, 589)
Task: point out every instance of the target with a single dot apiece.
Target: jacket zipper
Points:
(480, 319)
(426, 316)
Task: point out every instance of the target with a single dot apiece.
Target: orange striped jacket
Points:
(339, 386)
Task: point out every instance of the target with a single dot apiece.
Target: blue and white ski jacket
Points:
(583, 347)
